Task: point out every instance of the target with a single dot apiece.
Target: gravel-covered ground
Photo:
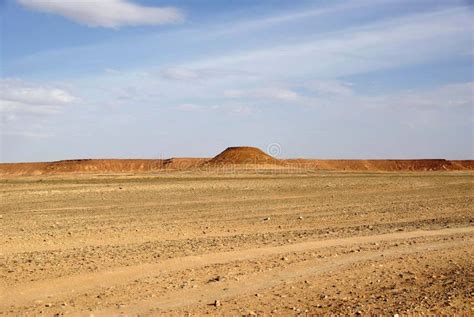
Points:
(238, 243)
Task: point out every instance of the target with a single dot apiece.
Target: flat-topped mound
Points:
(244, 155)
(99, 166)
(383, 165)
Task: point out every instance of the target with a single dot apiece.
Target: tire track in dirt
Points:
(27, 293)
(228, 289)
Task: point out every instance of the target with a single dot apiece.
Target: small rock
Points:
(266, 219)
(300, 218)
(216, 279)
(48, 305)
(217, 303)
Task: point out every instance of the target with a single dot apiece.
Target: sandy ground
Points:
(238, 244)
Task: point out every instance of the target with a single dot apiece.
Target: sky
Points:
(326, 79)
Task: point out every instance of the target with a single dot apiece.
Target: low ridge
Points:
(232, 156)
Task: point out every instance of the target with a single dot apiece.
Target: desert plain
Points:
(250, 241)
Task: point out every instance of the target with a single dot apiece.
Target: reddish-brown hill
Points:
(232, 156)
(243, 155)
(383, 165)
(99, 166)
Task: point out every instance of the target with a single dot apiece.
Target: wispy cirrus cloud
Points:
(269, 93)
(344, 51)
(309, 69)
(27, 134)
(180, 73)
(183, 73)
(330, 87)
(289, 17)
(381, 45)
(228, 109)
(338, 95)
(107, 13)
(450, 96)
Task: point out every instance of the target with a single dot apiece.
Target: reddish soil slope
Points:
(99, 166)
(231, 156)
(383, 165)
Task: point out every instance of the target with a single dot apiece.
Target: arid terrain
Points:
(249, 157)
(238, 242)
(321, 242)
(236, 158)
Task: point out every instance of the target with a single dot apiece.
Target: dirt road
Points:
(312, 243)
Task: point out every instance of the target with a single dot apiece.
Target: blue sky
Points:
(155, 79)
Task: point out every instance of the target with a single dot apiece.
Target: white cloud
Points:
(375, 46)
(196, 108)
(271, 93)
(27, 134)
(16, 95)
(112, 71)
(330, 87)
(447, 96)
(229, 109)
(335, 53)
(267, 22)
(16, 90)
(335, 94)
(106, 13)
(180, 73)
